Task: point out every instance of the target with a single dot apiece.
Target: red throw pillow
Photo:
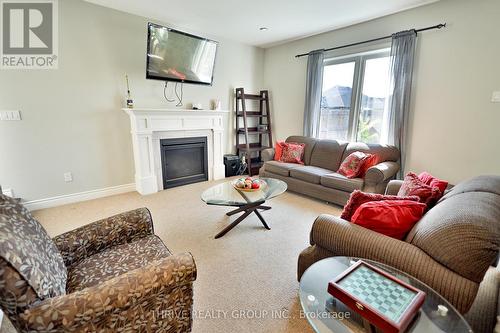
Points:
(412, 185)
(392, 218)
(425, 177)
(372, 160)
(352, 166)
(358, 198)
(430, 180)
(278, 150)
(293, 153)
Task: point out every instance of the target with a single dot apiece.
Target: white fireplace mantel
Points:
(149, 126)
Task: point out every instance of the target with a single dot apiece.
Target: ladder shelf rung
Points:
(251, 114)
(253, 131)
(253, 147)
(249, 96)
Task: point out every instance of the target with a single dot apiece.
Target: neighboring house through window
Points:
(355, 96)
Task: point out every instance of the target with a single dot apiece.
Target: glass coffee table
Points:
(225, 194)
(327, 314)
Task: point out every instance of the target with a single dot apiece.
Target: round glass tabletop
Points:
(225, 194)
(327, 314)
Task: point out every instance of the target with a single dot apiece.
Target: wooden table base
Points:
(247, 210)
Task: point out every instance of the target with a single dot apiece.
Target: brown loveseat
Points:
(318, 176)
(109, 276)
(451, 249)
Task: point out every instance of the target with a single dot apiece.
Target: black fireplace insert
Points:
(184, 161)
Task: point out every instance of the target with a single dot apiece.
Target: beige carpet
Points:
(246, 279)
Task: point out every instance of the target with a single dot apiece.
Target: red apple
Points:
(255, 185)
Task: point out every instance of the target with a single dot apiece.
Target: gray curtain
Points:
(314, 84)
(401, 73)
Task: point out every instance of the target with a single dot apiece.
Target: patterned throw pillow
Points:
(358, 198)
(412, 185)
(293, 153)
(27, 247)
(352, 166)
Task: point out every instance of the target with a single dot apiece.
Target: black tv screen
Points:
(178, 56)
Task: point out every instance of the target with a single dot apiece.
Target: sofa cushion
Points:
(27, 247)
(383, 152)
(327, 154)
(309, 142)
(489, 184)
(340, 182)
(280, 168)
(462, 231)
(310, 174)
(115, 261)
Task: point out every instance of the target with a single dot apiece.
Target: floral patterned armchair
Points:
(112, 275)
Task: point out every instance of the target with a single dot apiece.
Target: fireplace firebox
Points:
(184, 161)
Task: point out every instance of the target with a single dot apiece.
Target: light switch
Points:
(10, 115)
(495, 97)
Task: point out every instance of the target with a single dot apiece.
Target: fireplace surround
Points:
(150, 126)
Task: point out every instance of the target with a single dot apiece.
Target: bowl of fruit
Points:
(248, 184)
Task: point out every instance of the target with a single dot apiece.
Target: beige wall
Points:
(72, 119)
(454, 128)
(71, 116)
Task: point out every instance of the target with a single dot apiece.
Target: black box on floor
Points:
(232, 164)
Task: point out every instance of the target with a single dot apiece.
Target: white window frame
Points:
(359, 60)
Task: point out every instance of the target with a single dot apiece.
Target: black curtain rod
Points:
(439, 26)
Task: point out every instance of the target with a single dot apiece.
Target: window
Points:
(355, 96)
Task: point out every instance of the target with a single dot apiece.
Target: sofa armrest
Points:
(95, 237)
(393, 187)
(267, 154)
(381, 172)
(136, 298)
(342, 238)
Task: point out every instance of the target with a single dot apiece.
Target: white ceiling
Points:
(240, 20)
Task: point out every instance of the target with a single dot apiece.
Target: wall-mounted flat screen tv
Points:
(178, 56)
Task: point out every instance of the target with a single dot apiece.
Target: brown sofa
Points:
(113, 275)
(318, 176)
(451, 249)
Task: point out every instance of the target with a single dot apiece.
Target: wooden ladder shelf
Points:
(254, 137)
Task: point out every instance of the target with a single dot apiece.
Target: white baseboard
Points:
(77, 197)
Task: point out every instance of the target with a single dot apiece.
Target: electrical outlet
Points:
(10, 115)
(495, 97)
(68, 177)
